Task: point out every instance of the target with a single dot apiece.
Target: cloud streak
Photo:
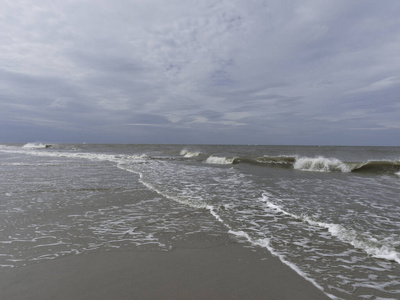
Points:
(263, 72)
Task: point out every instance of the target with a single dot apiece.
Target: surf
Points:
(216, 160)
(371, 245)
(321, 164)
(189, 154)
(36, 146)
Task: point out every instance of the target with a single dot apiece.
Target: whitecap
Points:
(188, 154)
(35, 146)
(219, 160)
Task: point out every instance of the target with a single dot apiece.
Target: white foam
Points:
(162, 193)
(50, 245)
(369, 244)
(265, 243)
(320, 164)
(188, 154)
(34, 146)
(219, 160)
(32, 150)
(216, 216)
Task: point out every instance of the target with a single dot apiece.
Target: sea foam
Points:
(371, 245)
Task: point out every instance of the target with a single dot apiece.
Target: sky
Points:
(309, 72)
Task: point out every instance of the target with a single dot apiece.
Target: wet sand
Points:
(218, 272)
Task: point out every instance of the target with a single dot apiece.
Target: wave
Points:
(310, 164)
(369, 244)
(281, 160)
(36, 146)
(321, 164)
(188, 154)
(216, 160)
(31, 149)
(377, 166)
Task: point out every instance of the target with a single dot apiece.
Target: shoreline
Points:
(217, 272)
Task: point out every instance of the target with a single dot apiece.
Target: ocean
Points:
(332, 214)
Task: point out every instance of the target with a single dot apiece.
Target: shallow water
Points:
(330, 213)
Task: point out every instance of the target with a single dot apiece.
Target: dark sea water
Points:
(330, 213)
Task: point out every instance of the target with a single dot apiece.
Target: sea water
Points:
(330, 213)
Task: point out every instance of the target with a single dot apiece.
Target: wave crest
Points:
(36, 146)
(188, 154)
(220, 160)
(378, 166)
(281, 160)
(321, 164)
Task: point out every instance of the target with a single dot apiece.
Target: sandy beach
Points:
(217, 272)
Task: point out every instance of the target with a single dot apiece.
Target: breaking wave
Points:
(321, 164)
(188, 154)
(31, 149)
(216, 160)
(310, 164)
(281, 161)
(314, 164)
(36, 146)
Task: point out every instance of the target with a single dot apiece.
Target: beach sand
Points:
(215, 272)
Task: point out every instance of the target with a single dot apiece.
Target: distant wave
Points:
(371, 245)
(322, 164)
(32, 149)
(36, 146)
(313, 164)
(378, 166)
(216, 160)
(310, 164)
(188, 154)
(282, 160)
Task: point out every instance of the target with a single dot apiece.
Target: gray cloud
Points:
(274, 72)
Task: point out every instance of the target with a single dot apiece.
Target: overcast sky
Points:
(323, 72)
